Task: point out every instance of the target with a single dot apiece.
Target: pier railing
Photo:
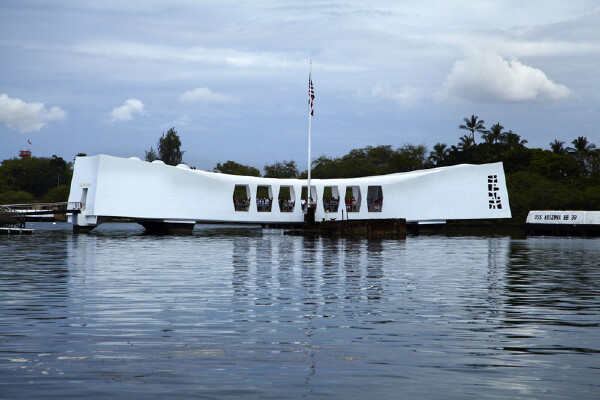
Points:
(44, 208)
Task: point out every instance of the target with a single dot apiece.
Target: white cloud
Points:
(206, 95)
(405, 96)
(212, 57)
(27, 117)
(486, 77)
(126, 111)
(500, 42)
(219, 57)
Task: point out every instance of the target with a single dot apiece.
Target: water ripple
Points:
(243, 311)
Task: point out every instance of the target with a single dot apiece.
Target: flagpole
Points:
(308, 194)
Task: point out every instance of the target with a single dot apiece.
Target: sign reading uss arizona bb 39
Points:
(564, 217)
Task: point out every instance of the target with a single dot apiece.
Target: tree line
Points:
(561, 177)
(23, 180)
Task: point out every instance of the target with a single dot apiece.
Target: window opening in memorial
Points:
(313, 196)
(331, 199)
(286, 198)
(84, 194)
(264, 198)
(352, 199)
(241, 198)
(375, 198)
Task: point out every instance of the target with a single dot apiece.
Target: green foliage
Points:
(581, 146)
(558, 147)
(57, 194)
(408, 158)
(15, 197)
(35, 175)
(557, 167)
(438, 154)
(240, 192)
(493, 135)
(530, 191)
(370, 161)
(284, 169)
(590, 198)
(151, 155)
(233, 168)
(168, 149)
(285, 193)
(262, 192)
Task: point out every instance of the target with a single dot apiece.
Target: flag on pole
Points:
(311, 96)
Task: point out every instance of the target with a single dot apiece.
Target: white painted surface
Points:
(121, 187)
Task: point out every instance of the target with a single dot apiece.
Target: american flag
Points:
(311, 96)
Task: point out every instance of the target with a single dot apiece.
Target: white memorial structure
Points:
(168, 198)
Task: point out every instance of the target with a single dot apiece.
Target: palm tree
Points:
(581, 146)
(557, 147)
(473, 125)
(465, 142)
(439, 153)
(582, 152)
(494, 134)
(511, 139)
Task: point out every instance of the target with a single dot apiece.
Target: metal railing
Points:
(45, 208)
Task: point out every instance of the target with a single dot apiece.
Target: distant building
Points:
(25, 153)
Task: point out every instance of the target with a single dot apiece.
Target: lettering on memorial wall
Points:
(493, 189)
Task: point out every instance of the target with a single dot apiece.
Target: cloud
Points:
(405, 96)
(198, 54)
(27, 117)
(212, 57)
(206, 95)
(486, 77)
(126, 111)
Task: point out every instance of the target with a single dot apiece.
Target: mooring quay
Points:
(14, 216)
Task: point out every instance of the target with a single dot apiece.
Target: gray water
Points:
(242, 312)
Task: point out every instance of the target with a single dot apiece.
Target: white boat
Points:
(159, 195)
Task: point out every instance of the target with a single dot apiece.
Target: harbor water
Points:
(245, 312)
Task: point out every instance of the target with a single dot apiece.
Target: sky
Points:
(110, 77)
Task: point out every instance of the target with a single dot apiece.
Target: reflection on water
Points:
(244, 312)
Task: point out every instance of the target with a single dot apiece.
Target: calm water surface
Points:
(241, 312)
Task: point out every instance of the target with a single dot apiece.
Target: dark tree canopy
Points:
(371, 161)
(34, 175)
(558, 147)
(168, 149)
(233, 168)
(438, 154)
(151, 155)
(494, 134)
(284, 169)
